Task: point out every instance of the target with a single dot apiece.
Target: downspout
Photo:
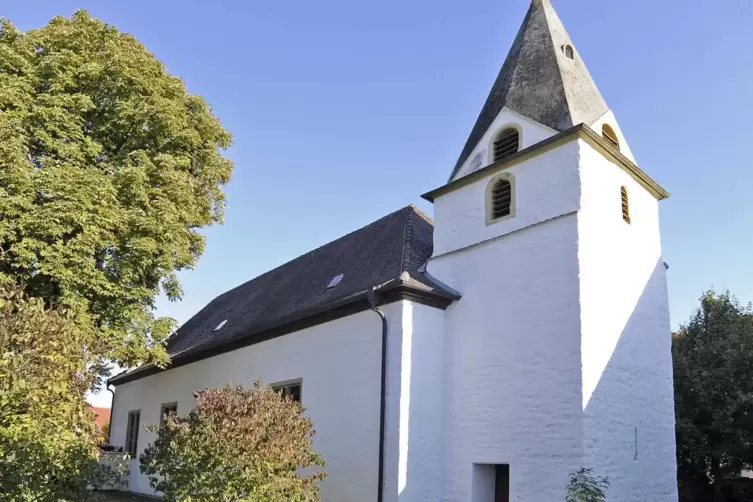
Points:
(373, 298)
(112, 411)
(112, 403)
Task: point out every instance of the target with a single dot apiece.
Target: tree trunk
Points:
(718, 493)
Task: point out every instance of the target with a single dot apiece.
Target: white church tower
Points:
(557, 356)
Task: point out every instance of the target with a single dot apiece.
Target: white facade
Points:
(558, 355)
(339, 363)
(628, 395)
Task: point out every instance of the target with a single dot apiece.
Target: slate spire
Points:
(541, 79)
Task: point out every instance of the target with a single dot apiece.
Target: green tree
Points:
(713, 365)
(47, 438)
(585, 486)
(237, 445)
(109, 168)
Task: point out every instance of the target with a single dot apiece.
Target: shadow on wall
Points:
(628, 423)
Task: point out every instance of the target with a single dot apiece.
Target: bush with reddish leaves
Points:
(238, 444)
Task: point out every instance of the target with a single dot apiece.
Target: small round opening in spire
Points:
(569, 51)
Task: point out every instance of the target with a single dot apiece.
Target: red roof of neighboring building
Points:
(102, 416)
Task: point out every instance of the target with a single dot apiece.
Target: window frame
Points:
(132, 433)
(625, 204)
(610, 136)
(497, 133)
(286, 384)
(506, 176)
(163, 407)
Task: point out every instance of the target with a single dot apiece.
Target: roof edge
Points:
(392, 291)
(580, 131)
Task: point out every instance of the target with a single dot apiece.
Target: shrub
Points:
(237, 444)
(585, 486)
(48, 441)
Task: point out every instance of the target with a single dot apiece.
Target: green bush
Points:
(48, 438)
(585, 486)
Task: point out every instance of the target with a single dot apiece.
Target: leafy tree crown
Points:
(712, 356)
(109, 168)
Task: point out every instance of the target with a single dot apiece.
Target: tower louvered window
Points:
(625, 204)
(506, 144)
(501, 199)
(608, 133)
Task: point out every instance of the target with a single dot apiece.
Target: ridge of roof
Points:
(407, 241)
(421, 214)
(538, 81)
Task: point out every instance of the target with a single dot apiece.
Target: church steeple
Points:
(543, 79)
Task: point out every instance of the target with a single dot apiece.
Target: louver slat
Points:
(501, 199)
(625, 204)
(506, 144)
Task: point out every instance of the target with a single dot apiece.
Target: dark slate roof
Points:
(391, 251)
(539, 82)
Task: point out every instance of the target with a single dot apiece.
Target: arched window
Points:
(625, 204)
(500, 197)
(506, 143)
(569, 52)
(608, 133)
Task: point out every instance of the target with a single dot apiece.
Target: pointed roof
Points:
(539, 81)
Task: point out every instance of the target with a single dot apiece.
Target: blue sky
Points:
(344, 111)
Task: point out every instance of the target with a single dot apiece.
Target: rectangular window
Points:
(132, 433)
(165, 410)
(290, 389)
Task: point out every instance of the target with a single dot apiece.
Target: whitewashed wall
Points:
(421, 394)
(512, 363)
(512, 343)
(531, 132)
(626, 340)
(340, 364)
(557, 356)
(546, 186)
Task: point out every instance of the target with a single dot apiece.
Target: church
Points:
(480, 355)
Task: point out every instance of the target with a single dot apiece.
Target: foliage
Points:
(109, 168)
(586, 486)
(47, 436)
(713, 356)
(237, 445)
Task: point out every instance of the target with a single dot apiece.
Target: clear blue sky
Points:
(344, 111)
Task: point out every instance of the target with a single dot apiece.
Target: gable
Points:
(530, 133)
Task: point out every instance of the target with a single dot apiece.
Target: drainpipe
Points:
(112, 412)
(373, 299)
(112, 403)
